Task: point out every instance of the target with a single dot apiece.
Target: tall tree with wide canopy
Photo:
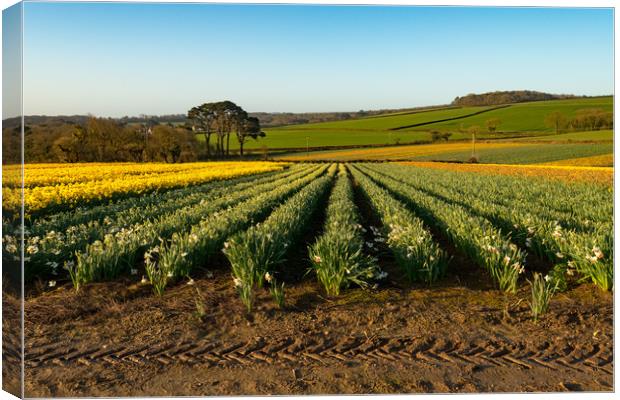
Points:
(203, 117)
(222, 118)
(227, 114)
(248, 127)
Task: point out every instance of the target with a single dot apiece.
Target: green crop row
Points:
(474, 235)
(46, 247)
(197, 247)
(255, 253)
(586, 248)
(418, 255)
(102, 260)
(83, 215)
(337, 256)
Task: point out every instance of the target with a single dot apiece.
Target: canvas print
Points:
(252, 199)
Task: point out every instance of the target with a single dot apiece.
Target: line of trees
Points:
(507, 97)
(100, 140)
(222, 119)
(93, 139)
(105, 140)
(587, 119)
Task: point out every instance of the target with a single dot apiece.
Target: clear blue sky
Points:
(114, 59)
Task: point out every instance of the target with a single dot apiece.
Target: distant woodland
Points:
(507, 97)
(92, 139)
(174, 138)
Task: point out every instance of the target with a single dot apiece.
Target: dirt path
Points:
(116, 339)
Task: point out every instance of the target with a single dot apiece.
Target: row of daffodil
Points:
(476, 236)
(52, 174)
(50, 241)
(513, 192)
(258, 252)
(103, 260)
(576, 204)
(40, 199)
(414, 249)
(112, 211)
(568, 239)
(175, 259)
(337, 256)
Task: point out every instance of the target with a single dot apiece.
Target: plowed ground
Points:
(117, 339)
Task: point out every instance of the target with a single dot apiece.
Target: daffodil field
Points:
(167, 223)
(52, 187)
(338, 256)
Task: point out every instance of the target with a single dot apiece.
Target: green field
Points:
(523, 119)
(489, 152)
(391, 121)
(526, 116)
(596, 136)
(530, 154)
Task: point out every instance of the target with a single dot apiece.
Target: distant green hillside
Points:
(390, 121)
(522, 119)
(528, 117)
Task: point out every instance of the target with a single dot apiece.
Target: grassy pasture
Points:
(523, 119)
(280, 139)
(492, 153)
(528, 154)
(525, 116)
(395, 152)
(390, 121)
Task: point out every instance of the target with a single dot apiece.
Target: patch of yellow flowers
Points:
(605, 160)
(71, 185)
(64, 174)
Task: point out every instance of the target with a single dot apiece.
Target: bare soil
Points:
(462, 335)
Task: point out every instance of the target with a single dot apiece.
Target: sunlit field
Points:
(57, 186)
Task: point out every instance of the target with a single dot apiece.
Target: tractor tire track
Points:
(586, 358)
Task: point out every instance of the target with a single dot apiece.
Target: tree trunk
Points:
(228, 144)
(241, 149)
(207, 140)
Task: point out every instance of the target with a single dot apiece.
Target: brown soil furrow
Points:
(203, 349)
(595, 367)
(384, 354)
(81, 354)
(228, 349)
(282, 345)
(568, 365)
(345, 350)
(261, 356)
(604, 361)
(129, 351)
(158, 350)
(52, 355)
(183, 348)
(338, 356)
(492, 360)
(435, 362)
(517, 361)
(288, 356)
